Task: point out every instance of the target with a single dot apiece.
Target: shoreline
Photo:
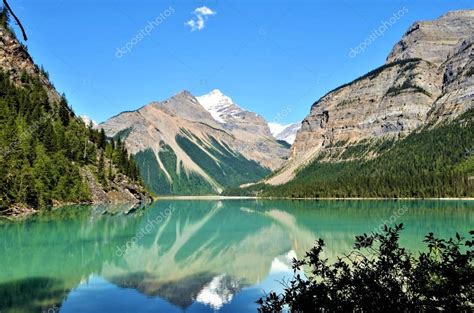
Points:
(27, 212)
(22, 212)
(217, 197)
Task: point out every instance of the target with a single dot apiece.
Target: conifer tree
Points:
(101, 168)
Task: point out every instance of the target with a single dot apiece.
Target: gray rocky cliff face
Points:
(15, 60)
(186, 106)
(435, 40)
(428, 78)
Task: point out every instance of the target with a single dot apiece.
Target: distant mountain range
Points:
(197, 145)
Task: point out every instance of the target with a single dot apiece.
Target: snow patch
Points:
(284, 132)
(219, 105)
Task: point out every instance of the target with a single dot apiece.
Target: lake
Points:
(193, 256)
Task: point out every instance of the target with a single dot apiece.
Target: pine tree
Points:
(42, 172)
(64, 111)
(101, 168)
(49, 137)
(4, 18)
(102, 139)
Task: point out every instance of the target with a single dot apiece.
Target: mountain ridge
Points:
(413, 88)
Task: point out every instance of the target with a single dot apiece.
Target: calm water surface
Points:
(193, 256)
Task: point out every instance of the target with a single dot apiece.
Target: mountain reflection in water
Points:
(196, 256)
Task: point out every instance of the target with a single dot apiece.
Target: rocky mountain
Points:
(189, 145)
(427, 79)
(15, 60)
(232, 117)
(221, 107)
(285, 132)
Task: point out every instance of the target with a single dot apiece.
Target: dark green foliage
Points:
(44, 72)
(284, 144)
(470, 71)
(178, 183)
(4, 18)
(102, 139)
(34, 166)
(182, 182)
(152, 176)
(101, 169)
(43, 146)
(380, 276)
(64, 111)
(357, 150)
(123, 134)
(5, 21)
(231, 169)
(337, 144)
(125, 163)
(407, 85)
(435, 162)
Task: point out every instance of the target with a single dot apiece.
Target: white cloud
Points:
(201, 14)
(204, 11)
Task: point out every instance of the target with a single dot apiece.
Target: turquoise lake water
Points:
(193, 256)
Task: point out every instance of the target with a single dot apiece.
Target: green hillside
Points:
(230, 170)
(43, 147)
(156, 180)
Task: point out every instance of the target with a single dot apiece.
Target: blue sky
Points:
(272, 57)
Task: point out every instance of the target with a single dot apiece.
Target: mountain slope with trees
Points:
(49, 156)
(432, 162)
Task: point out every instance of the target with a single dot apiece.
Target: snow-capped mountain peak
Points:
(276, 128)
(219, 105)
(284, 132)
